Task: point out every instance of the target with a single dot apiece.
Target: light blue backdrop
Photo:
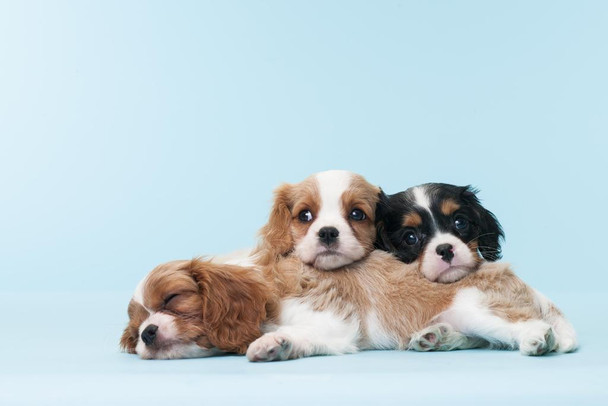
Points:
(136, 132)
(139, 132)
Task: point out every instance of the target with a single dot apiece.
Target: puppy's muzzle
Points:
(446, 252)
(149, 334)
(328, 235)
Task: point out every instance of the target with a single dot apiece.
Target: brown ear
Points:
(128, 341)
(137, 314)
(276, 238)
(234, 303)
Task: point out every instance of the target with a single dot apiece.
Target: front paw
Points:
(269, 347)
(438, 337)
(443, 337)
(538, 342)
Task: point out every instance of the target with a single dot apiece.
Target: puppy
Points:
(339, 295)
(444, 227)
(189, 309)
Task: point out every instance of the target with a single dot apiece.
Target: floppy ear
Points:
(383, 241)
(128, 341)
(129, 338)
(490, 230)
(276, 238)
(234, 303)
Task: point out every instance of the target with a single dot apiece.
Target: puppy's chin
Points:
(436, 270)
(452, 274)
(330, 260)
(177, 351)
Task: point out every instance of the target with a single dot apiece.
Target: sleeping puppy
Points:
(196, 308)
(443, 227)
(339, 295)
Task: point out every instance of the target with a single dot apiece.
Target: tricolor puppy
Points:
(444, 227)
(339, 295)
(195, 308)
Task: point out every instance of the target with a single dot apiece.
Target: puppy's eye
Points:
(410, 238)
(357, 215)
(170, 298)
(461, 223)
(305, 216)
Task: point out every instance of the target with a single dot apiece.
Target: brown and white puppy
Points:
(195, 308)
(341, 296)
(327, 221)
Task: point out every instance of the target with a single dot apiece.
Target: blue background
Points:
(135, 132)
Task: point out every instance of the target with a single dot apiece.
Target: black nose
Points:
(446, 252)
(328, 235)
(149, 334)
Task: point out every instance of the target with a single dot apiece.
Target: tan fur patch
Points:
(277, 236)
(305, 196)
(412, 220)
(449, 206)
(473, 247)
(363, 196)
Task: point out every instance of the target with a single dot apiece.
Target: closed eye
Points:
(170, 298)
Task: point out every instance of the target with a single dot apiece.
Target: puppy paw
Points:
(438, 337)
(566, 344)
(565, 336)
(269, 347)
(538, 342)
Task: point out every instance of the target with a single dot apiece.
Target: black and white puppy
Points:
(443, 226)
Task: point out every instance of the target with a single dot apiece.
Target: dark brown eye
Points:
(170, 298)
(357, 215)
(410, 238)
(305, 216)
(461, 223)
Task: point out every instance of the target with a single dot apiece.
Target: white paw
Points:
(269, 347)
(565, 336)
(538, 342)
(438, 337)
(566, 344)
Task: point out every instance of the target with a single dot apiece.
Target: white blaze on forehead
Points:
(421, 198)
(164, 322)
(138, 295)
(332, 184)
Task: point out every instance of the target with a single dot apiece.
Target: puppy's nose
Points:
(328, 235)
(149, 334)
(446, 252)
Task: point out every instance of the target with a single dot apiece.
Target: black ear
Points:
(490, 230)
(383, 241)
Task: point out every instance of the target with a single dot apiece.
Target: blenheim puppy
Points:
(187, 309)
(341, 296)
(443, 226)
